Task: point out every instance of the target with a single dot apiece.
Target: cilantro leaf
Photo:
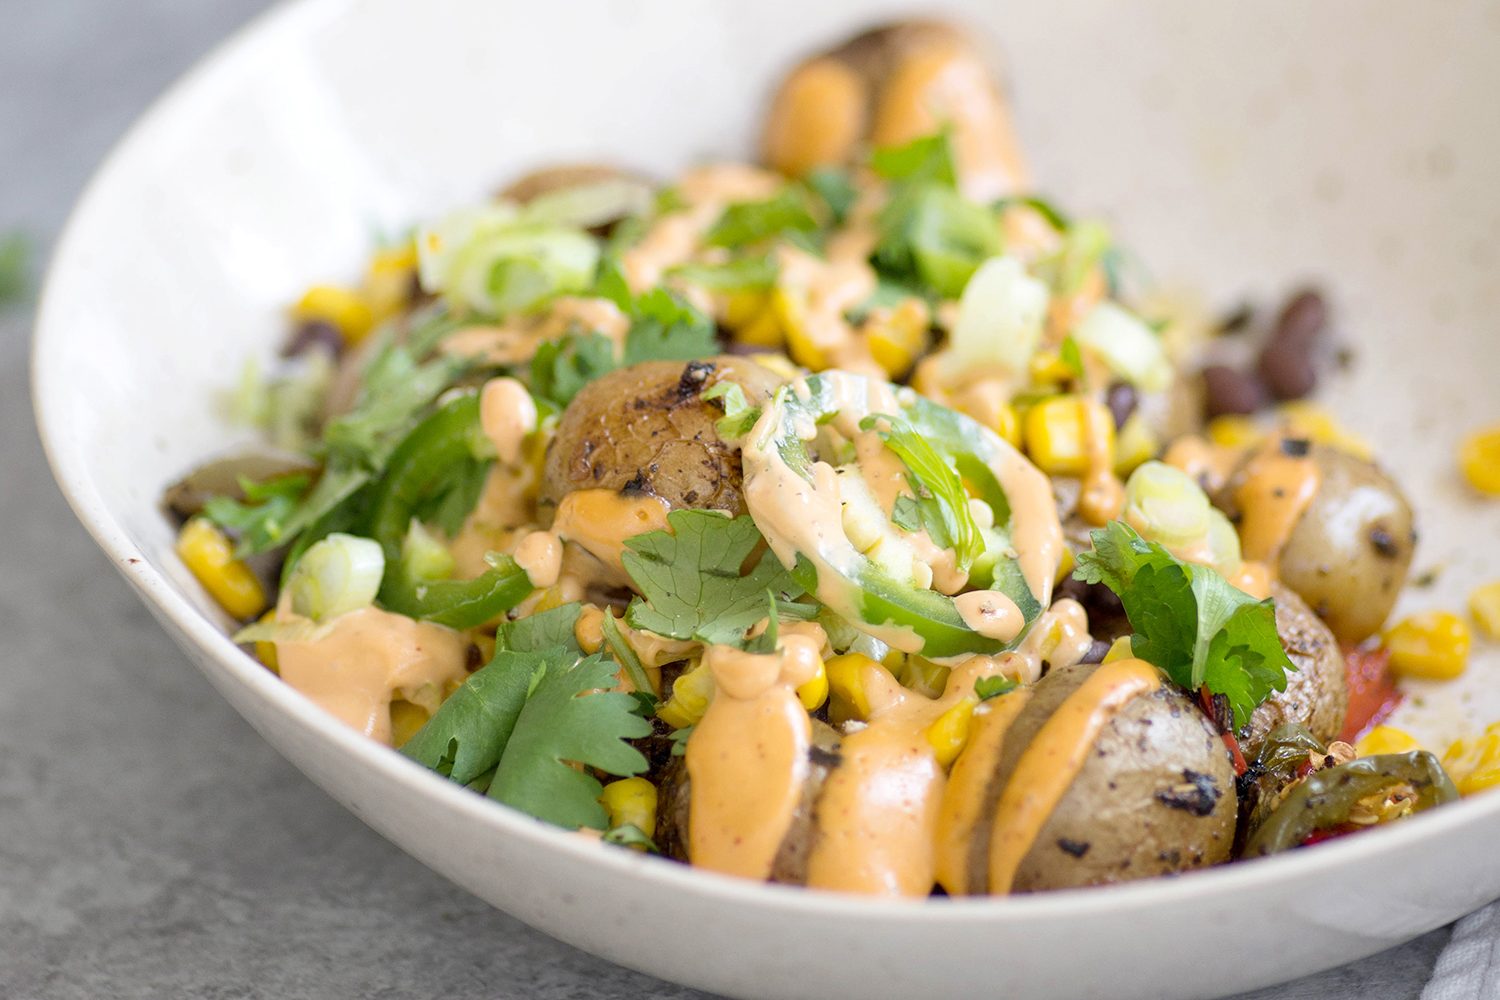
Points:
(260, 521)
(542, 632)
(930, 235)
(691, 582)
(739, 416)
(1189, 621)
(560, 368)
(907, 514)
(663, 326)
(942, 502)
(396, 390)
(986, 688)
(570, 717)
(836, 189)
(747, 222)
(926, 159)
(466, 735)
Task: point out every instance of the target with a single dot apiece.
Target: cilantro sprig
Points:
(260, 520)
(539, 707)
(1189, 620)
(692, 584)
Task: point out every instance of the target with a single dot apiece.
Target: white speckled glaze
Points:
(1238, 149)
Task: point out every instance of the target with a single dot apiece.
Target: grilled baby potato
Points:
(646, 429)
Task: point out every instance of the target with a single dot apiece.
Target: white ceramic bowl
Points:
(1238, 151)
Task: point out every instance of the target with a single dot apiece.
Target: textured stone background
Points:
(150, 844)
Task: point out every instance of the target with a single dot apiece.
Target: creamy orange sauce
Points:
(1059, 638)
(798, 516)
(962, 810)
(507, 414)
(885, 474)
(1275, 494)
(506, 503)
(599, 521)
(540, 554)
(354, 667)
(946, 83)
(1210, 465)
(747, 759)
(588, 630)
(1103, 495)
(990, 613)
(825, 289)
(1053, 759)
(877, 816)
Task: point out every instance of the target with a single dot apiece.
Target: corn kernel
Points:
(406, 719)
(778, 363)
(632, 802)
(1065, 566)
(791, 313)
(691, 692)
(742, 308)
(847, 697)
(1386, 739)
(344, 310)
(1311, 421)
(1433, 645)
(1233, 431)
(1136, 446)
(388, 280)
(1057, 433)
(1474, 765)
(949, 734)
(814, 692)
(208, 555)
(1120, 649)
(1048, 368)
(897, 336)
(265, 651)
(763, 329)
(1484, 606)
(1480, 460)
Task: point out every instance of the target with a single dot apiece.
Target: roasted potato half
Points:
(1155, 795)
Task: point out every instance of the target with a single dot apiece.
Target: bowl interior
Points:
(1236, 156)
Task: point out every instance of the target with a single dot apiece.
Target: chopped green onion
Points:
(341, 573)
(423, 556)
(589, 205)
(1000, 317)
(1127, 345)
(1166, 505)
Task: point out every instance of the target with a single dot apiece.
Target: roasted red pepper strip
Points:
(1373, 694)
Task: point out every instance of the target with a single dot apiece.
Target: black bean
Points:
(310, 334)
(1121, 400)
(1286, 367)
(1303, 318)
(1229, 390)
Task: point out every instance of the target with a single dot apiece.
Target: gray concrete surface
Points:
(150, 844)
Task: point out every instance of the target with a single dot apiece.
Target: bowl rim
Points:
(51, 402)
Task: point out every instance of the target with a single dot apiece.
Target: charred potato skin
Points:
(1155, 796)
(1350, 553)
(646, 429)
(1317, 693)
